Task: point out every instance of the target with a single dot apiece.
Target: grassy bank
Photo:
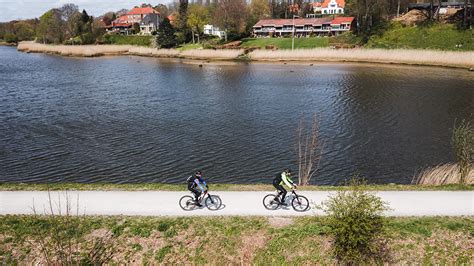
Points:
(240, 240)
(215, 187)
(436, 36)
(285, 43)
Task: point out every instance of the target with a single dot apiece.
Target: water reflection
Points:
(132, 119)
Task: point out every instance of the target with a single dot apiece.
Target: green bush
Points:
(127, 39)
(355, 221)
(463, 146)
(10, 38)
(87, 38)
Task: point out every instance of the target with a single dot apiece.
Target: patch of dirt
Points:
(99, 233)
(251, 242)
(412, 17)
(280, 222)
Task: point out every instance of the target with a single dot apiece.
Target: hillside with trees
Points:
(381, 24)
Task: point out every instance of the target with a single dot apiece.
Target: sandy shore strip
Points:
(235, 203)
(395, 56)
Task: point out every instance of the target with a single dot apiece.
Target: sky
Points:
(24, 9)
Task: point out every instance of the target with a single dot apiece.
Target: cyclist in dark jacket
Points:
(197, 186)
(281, 179)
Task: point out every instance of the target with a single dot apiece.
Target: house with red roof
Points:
(329, 7)
(146, 17)
(303, 27)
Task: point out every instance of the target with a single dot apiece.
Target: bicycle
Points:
(298, 202)
(212, 202)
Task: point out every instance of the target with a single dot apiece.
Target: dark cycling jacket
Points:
(194, 181)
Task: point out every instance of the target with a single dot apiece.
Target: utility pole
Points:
(293, 37)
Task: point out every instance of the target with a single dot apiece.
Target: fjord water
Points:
(135, 119)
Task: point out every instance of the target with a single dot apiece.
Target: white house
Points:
(214, 31)
(149, 24)
(333, 7)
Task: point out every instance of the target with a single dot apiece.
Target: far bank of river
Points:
(395, 56)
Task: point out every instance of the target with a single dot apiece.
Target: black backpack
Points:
(278, 178)
(190, 179)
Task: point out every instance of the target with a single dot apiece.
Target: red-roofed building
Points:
(124, 23)
(333, 7)
(303, 27)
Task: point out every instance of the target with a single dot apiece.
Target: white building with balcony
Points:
(213, 31)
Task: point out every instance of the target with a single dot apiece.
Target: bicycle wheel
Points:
(213, 202)
(187, 203)
(270, 202)
(300, 203)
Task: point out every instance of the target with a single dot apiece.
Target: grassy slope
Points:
(285, 43)
(215, 187)
(237, 240)
(436, 36)
(393, 35)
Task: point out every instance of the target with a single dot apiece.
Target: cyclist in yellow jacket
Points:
(281, 179)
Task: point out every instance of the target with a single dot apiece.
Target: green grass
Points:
(434, 36)
(128, 40)
(247, 240)
(189, 46)
(214, 187)
(285, 43)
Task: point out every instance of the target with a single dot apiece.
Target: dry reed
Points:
(72, 50)
(398, 56)
(421, 57)
(146, 51)
(212, 54)
(443, 175)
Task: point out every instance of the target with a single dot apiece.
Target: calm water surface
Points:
(132, 119)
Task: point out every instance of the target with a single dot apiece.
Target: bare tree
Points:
(309, 149)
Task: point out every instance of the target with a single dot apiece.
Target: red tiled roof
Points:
(340, 20)
(141, 11)
(340, 3)
(297, 22)
(122, 25)
(121, 19)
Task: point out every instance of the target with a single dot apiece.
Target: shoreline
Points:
(462, 60)
(7, 44)
(214, 187)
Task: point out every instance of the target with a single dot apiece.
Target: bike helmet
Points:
(198, 173)
(288, 171)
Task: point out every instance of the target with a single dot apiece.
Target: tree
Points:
(182, 21)
(49, 29)
(259, 9)
(197, 18)
(231, 15)
(70, 16)
(23, 31)
(165, 37)
(308, 149)
(163, 10)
